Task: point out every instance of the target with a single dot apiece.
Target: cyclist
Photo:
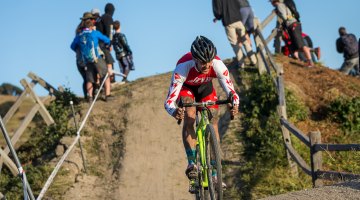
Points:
(192, 81)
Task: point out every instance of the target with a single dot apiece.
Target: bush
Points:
(39, 149)
(296, 110)
(346, 112)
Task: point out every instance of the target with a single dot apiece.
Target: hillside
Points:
(134, 150)
(316, 87)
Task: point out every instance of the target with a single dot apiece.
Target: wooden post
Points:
(20, 130)
(273, 34)
(268, 19)
(43, 83)
(16, 105)
(43, 112)
(259, 47)
(278, 37)
(316, 158)
(8, 162)
(283, 114)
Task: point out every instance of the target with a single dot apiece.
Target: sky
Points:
(36, 34)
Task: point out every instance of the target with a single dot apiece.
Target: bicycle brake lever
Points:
(231, 100)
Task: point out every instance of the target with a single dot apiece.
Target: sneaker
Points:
(214, 179)
(242, 66)
(192, 186)
(191, 172)
(90, 99)
(112, 79)
(109, 98)
(317, 52)
(309, 64)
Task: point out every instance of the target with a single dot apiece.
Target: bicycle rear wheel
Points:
(213, 160)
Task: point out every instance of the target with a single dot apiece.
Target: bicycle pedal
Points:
(192, 186)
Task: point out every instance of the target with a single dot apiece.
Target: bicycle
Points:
(208, 156)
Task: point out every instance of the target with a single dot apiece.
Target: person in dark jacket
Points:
(347, 44)
(122, 51)
(104, 25)
(228, 12)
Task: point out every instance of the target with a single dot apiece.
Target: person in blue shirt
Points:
(97, 67)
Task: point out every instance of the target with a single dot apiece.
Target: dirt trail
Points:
(154, 162)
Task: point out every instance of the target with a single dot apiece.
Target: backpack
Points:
(87, 47)
(350, 44)
(291, 5)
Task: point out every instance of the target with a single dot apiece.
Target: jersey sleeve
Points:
(177, 80)
(226, 83)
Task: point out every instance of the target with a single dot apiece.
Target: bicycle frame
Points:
(201, 139)
(202, 155)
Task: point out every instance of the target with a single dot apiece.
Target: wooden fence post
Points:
(316, 158)
(277, 40)
(16, 105)
(282, 112)
(259, 47)
(43, 112)
(52, 90)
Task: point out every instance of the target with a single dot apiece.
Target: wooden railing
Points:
(313, 142)
(37, 107)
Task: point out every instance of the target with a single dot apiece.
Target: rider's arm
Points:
(177, 80)
(223, 75)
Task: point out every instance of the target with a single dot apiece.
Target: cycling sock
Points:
(191, 156)
(213, 172)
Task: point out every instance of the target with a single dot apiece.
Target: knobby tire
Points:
(213, 153)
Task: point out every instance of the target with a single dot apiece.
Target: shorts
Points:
(108, 57)
(295, 35)
(92, 69)
(125, 63)
(199, 94)
(247, 18)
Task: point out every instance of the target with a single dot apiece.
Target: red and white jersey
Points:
(186, 72)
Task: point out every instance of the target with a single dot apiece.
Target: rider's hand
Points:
(234, 110)
(179, 113)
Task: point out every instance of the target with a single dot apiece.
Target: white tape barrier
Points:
(58, 165)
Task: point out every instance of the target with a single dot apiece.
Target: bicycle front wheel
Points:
(213, 161)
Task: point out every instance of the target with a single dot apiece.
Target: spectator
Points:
(104, 24)
(228, 12)
(122, 51)
(96, 66)
(348, 45)
(247, 18)
(290, 50)
(79, 62)
(293, 27)
(96, 14)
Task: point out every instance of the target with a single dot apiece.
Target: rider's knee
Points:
(189, 123)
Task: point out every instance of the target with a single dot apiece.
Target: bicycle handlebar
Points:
(204, 104)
